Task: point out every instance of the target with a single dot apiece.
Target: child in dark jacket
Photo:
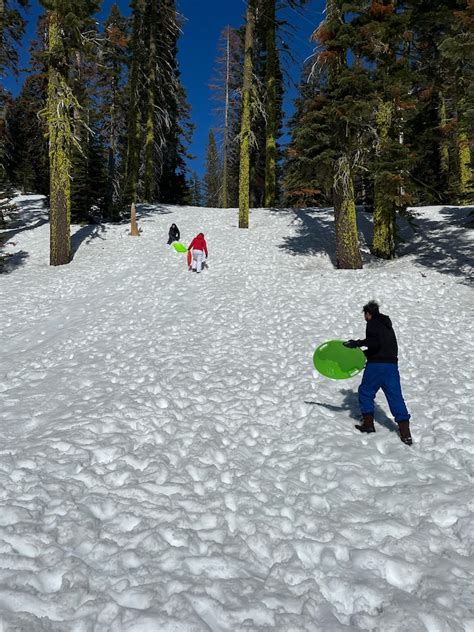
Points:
(381, 371)
(173, 234)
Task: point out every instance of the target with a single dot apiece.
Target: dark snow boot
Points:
(405, 436)
(367, 424)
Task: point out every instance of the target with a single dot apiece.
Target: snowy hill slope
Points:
(169, 461)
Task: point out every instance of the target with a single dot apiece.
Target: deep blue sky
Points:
(204, 21)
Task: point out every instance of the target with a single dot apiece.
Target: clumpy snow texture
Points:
(170, 461)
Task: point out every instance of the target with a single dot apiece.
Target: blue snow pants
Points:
(385, 376)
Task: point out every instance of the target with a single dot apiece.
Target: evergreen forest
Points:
(383, 119)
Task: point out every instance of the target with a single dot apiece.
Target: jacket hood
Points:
(201, 235)
(385, 320)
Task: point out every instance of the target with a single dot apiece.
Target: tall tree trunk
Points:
(348, 254)
(347, 240)
(383, 245)
(460, 165)
(385, 189)
(464, 168)
(245, 131)
(113, 150)
(4, 184)
(112, 174)
(443, 143)
(150, 140)
(60, 126)
(134, 122)
(271, 130)
(225, 157)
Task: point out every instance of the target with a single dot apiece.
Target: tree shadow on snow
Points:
(86, 234)
(149, 210)
(365, 228)
(8, 262)
(315, 232)
(17, 227)
(93, 231)
(24, 215)
(350, 404)
(445, 246)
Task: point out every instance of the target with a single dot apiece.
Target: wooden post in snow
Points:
(134, 231)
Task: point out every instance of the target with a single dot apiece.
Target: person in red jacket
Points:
(199, 249)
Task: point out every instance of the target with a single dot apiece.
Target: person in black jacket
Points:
(381, 371)
(173, 234)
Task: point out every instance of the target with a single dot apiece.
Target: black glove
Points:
(351, 344)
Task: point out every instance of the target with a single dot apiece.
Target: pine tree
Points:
(235, 121)
(158, 120)
(28, 162)
(272, 79)
(381, 41)
(435, 130)
(213, 175)
(65, 26)
(225, 159)
(245, 131)
(138, 58)
(173, 183)
(89, 155)
(343, 115)
(225, 87)
(113, 106)
(407, 66)
(12, 26)
(61, 139)
(178, 129)
(150, 175)
(195, 190)
(262, 101)
(457, 53)
(231, 54)
(267, 101)
(6, 187)
(305, 183)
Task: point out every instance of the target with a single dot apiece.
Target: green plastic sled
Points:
(332, 359)
(179, 247)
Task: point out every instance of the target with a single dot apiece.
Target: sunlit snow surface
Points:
(170, 462)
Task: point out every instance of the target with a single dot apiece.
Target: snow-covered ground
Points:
(170, 461)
